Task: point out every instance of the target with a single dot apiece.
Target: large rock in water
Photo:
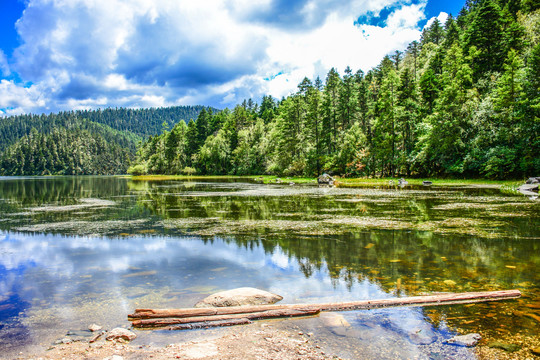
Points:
(239, 297)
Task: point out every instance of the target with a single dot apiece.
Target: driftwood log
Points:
(209, 324)
(268, 314)
(222, 316)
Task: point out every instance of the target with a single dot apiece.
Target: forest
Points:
(464, 101)
(82, 142)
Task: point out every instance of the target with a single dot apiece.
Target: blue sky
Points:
(57, 55)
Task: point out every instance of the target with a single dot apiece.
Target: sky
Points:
(85, 54)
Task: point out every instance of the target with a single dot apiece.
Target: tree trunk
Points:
(208, 314)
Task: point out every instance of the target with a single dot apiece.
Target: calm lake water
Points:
(82, 250)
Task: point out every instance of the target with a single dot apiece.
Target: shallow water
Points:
(76, 251)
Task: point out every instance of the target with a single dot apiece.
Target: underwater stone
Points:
(504, 346)
(468, 340)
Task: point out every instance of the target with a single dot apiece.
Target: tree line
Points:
(464, 101)
(84, 142)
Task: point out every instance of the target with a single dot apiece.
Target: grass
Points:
(266, 179)
(436, 182)
(510, 185)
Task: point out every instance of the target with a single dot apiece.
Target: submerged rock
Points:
(121, 334)
(424, 336)
(468, 340)
(504, 346)
(239, 297)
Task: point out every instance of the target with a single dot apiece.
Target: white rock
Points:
(121, 333)
(94, 327)
(468, 340)
(239, 297)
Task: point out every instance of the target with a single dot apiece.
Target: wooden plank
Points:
(428, 300)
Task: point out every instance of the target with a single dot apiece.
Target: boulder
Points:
(402, 182)
(427, 183)
(239, 297)
(468, 340)
(120, 334)
(94, 327)
(533, 180)
(325, 179)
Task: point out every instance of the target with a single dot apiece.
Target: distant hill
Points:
(82, 142)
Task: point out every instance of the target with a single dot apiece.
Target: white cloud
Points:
(96, 53)
(442, 18)
(4, 66)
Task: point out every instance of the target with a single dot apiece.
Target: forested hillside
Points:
(81, 142)
(464, 101)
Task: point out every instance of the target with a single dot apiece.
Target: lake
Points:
(81, 250)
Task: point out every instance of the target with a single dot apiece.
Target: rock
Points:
(468, 340)
(536, 351)
(114, 357)
(528, 189)
(533, 180)
(120, 333)
(94, 327)
(504, 346)
(402, 182)
(427, 183)
(65, 340)
(239, 297)
(423, 337)
(336, 323)
(325, 179)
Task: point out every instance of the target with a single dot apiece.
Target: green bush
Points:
(137, 170)
(189, 171)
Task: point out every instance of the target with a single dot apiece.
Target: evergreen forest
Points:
(81, 142)
(464, 101)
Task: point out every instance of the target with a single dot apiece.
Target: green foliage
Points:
(464, 101)
(64, 151)
(111, 129)
(138, 169)
(189, 171)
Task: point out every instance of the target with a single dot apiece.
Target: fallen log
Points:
(209, 324)
(428, 300)
(161, 322)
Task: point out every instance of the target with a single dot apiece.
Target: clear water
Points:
(82, 250)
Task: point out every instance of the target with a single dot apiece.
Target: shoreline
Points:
(264, 340)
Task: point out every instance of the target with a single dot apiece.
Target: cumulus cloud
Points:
(4, 66)
(97, 53)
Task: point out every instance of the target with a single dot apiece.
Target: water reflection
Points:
(69, 282)
(91, 249)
